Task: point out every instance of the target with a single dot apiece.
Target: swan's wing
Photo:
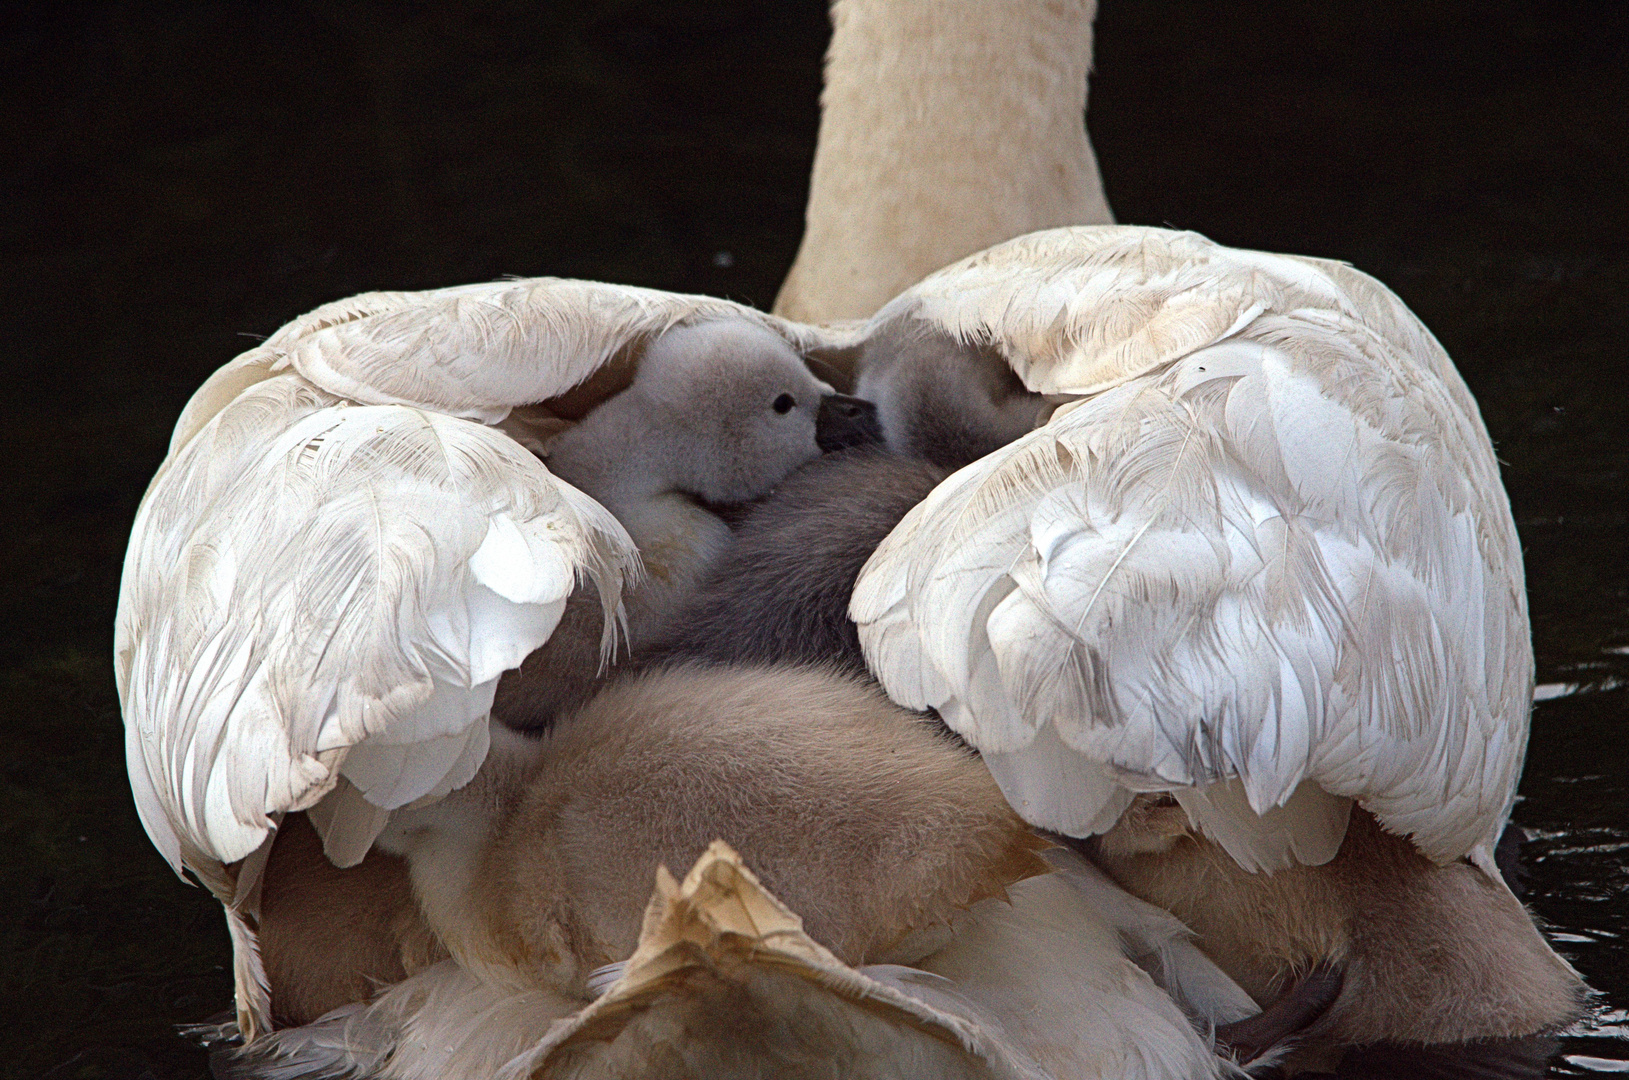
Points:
(316, 590)
(304, 564)
(476, 351)
(1264, 558)
(1079, 310)
(333, 564)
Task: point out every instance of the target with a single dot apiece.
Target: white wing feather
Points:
(1266, 560)
(333, 566)
(316, 589)
(474, 351)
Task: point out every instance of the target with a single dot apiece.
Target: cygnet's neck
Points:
(617, 456)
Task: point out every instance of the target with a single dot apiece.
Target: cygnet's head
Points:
(940, 399)
(731, 409)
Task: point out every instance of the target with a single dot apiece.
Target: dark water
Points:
(175, 178)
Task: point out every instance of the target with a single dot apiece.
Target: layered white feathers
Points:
(317, 590)
(307, 575)
(476, 351)
(1263, 560)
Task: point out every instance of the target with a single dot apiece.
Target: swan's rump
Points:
(725, 983)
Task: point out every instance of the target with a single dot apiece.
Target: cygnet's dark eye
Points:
(784, 404)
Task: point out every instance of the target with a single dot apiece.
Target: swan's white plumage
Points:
(316, 589)
(476, 351)
(1267, 544)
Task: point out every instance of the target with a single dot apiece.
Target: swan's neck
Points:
(944, 128)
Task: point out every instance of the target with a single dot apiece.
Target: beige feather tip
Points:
(725, 982)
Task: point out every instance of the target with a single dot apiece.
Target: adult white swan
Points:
(1257, 559)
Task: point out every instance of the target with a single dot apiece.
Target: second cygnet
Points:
(943, 400)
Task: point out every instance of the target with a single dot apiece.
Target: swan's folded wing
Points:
(725, 982)
(476, 351)
(1265, 561)
(1079, 310)
(296, 584)
(270, 357)
(316, 590)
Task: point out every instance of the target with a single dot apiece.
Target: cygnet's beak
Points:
(845, 421)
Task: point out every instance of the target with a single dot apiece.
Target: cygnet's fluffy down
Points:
(1431, 953)
(329, 936)
(942, 400)
(780, 591)
(725, 983)
(717, 414)
(890, 842)
(860, 817)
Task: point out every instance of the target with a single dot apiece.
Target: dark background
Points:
(177, 179)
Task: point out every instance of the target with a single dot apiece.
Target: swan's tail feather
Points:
(441, 1024)
(250, 986)
(323, 1050)
(726, 983)
(1055, 975)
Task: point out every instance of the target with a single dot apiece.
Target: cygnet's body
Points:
(717, 414)
(892, 844)
(780, 591)
(331, 936)
(858, 816)
(1431, 954)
